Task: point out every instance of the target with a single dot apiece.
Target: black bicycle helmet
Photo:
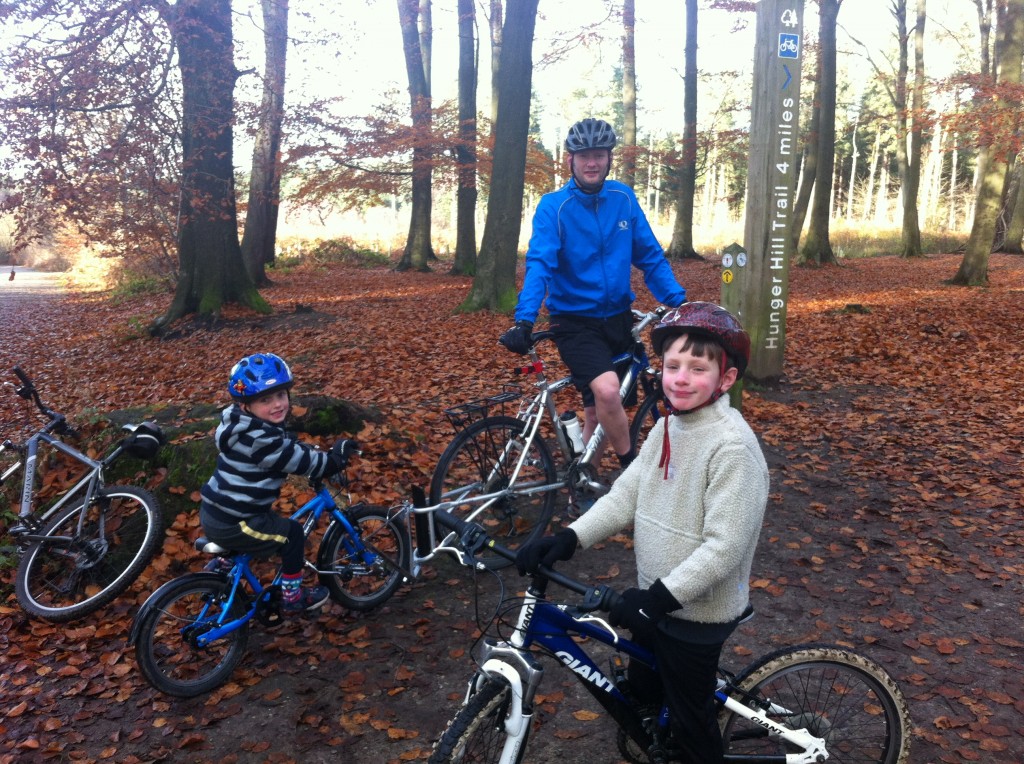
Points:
(590, 133)
(708, 320)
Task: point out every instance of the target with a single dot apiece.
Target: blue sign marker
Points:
(789, 45)
(789, 77)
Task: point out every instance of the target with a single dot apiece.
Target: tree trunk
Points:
(496, 24)
(628, 174)
(260, 235)
(817, 248)
(809, 167)
(911, 183)
(1015, 204)
(494, 287)
(993, 159)
(465, 224)
(681, 245)
(869, 194)
(418, 252)
(212, 271)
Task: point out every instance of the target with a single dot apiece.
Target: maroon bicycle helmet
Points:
(708, 320)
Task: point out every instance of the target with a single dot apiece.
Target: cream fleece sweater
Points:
(698, 529)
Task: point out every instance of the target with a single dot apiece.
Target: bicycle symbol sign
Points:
(789, 45)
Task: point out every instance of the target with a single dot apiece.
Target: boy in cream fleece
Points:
(696, 497)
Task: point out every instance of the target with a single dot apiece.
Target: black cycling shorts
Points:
(588, 345)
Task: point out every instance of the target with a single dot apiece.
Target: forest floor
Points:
(894, 524)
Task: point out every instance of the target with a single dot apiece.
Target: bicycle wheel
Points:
(166, 632)
(352, 581)
(64, 578)
(836, 694)
(651, 410)
(481, 460)
(477, 733)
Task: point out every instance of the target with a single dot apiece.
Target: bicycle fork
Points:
(523, 674)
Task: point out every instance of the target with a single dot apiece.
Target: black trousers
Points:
(265, 534)
(687, 655)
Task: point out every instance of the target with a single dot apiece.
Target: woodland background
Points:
(158, 164)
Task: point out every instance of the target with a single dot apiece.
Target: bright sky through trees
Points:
(366, 62)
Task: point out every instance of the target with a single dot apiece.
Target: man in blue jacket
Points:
(586, 238)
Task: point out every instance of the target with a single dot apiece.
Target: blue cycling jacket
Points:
(581, 251)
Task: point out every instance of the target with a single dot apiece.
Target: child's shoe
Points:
(310, 598)
(220, 565)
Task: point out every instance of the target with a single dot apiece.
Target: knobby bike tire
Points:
(837, 694)
(477, 733)
(476, 463)
(165, 648)
(353, 583)
(651, 410)
(60, 581)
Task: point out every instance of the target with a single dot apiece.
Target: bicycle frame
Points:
(309, 514)
(533, 410)
(91, 479)
(552, 627)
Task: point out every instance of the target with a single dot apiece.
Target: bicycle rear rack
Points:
(464, 414)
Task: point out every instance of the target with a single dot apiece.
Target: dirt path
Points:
(894, 527)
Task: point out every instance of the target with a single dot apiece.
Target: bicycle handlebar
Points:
(20, 374)
(58, 422)
(473, 537)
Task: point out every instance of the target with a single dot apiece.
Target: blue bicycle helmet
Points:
(590, 133)
(259, 374)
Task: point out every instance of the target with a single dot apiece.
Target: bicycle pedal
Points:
(617, 669)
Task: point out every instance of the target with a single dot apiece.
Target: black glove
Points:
(546, 551)
(518, 339)
(639, 610)
(340, 453)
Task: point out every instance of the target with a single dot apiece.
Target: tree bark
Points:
(681, 245)
(494, 287)
(1015, 205)
(465, 223)
(911, 166)
(212, 271)
(497, 21)
(259, 237)
(993, 159)
(809, 167)
(817, 248)
(628, 174)
(418, 251)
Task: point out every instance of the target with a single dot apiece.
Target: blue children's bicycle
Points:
(801, 705)
(191, 633)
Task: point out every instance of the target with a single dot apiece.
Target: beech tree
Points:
(95, 87)
(494, 286)
(418, 250)
(628, 151)
(998, 130)
(465, 151)
(817, 248)
(681, 245)
(260, 235)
